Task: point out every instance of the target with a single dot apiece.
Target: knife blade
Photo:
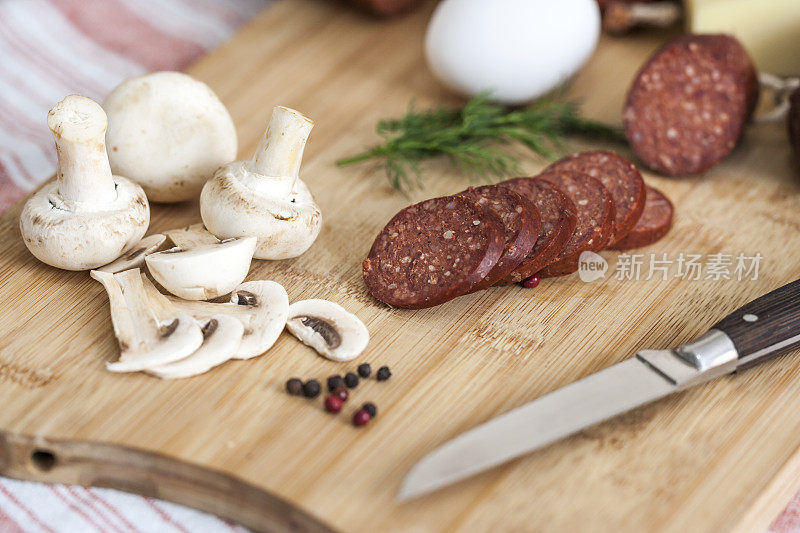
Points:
(763, 328)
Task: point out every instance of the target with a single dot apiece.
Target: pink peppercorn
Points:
(532, 282)
(361, 417)
(333, 404)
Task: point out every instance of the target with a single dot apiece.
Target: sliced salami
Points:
(620, 177)
(522, 227)
(794, 123)
(655, 222)
(433, 251)
(689, 103)
(596, 213)
(558, 219)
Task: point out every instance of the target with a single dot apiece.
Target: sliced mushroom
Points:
(135, 257)
(328, 328)
(205, 271)
(222, 335)
(148, 330)
(191, 236)
(261, 306)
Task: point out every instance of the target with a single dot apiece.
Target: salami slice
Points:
(620, 177)
(558, 218)
(689, 103)
(433, 251)
(522, 226)
(655, 222)
(596, 214)
(794, 123)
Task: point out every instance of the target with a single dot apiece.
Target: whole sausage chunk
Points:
(689, 104)
(620, 177)
(655, 222)
(595, 225)
(433, 251)
(794, 123)
(522, 227)
(558, 218)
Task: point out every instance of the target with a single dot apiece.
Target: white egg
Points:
(516, 49)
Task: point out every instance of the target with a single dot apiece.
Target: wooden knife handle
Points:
(766, 327)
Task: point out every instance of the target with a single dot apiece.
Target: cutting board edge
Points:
(119, 467)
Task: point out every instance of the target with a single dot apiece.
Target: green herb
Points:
(474, 137)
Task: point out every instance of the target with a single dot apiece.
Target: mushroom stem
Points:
(84, 175)
(281, 150)
(621, 17)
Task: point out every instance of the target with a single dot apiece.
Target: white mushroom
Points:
(169, 133)
(149, 331)
(264, 196)
(134, 258)
(328, 328)
(86, 217)
(222, 335)
(201, 267)
(261, 306)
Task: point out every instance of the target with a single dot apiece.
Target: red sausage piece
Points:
(595, 225)
(654, 223)
(558, 216)
(620, 177)
(522, 227)
(433, 251)
(689, 103)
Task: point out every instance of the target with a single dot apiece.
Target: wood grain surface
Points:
(723, 456)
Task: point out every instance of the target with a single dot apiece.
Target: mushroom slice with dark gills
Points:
(328, 328)
(222, 336)
(150, 332)
(261, 306)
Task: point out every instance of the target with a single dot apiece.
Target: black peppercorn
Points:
(370, 408)
(294, 386)
(334, 382)
(351, 380)
(311, 388)
(383, 373)
(364, 370)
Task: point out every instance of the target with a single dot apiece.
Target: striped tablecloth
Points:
(51, 48)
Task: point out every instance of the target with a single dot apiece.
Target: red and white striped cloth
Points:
(52, 48)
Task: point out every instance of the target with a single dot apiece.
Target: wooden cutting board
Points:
(722, 456)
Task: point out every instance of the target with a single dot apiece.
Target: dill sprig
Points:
(475, 137)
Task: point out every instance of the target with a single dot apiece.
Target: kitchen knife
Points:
(766, 327)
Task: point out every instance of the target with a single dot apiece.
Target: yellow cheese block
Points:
(769, 29)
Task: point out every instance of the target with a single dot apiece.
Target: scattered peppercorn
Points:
(364, 370)
(335, 381)
(361, 417)
(333, 404)
(294, 387)
(341, 393)
(311, 388)
(351, 380)
(383, 373)
(532, 282)
(371, 409)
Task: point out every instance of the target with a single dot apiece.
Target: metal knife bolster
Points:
(704, 359)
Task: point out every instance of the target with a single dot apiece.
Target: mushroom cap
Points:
(328, 328)
(204, 272)
(84, 238)
(169, 133)
(286, 223)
